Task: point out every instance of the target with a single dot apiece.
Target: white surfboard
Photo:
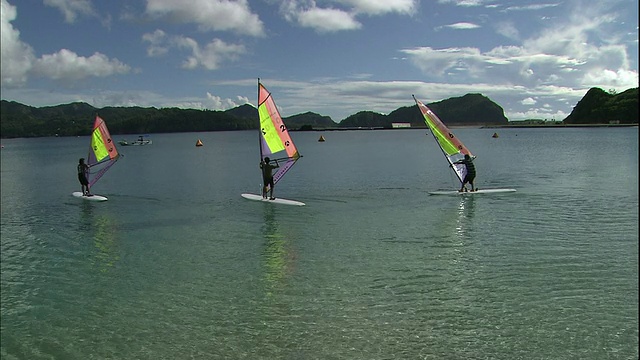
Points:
(93, 197)
(480, 191)
(275, 201)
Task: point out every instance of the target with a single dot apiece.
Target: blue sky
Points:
(536, 59)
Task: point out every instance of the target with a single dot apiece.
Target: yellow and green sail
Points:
(275, 141)
(451, 146)
(102, 152)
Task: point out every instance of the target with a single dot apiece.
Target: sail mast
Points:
(259, 125)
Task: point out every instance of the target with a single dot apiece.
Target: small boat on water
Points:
(141, 141)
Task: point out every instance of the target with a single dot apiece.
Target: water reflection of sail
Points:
(102, 232)
(278, 258)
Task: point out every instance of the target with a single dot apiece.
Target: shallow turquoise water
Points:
(177, 265)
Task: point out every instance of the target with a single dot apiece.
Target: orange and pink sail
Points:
(102, 152)
(275, 141)
(451, 146)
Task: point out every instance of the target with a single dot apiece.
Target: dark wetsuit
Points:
(267, 173)
(82, 174)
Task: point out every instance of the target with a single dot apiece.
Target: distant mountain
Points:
(470, 109)
(308, 119)
(367, 119)
(247, 111)
(598, 107)
(19, 120)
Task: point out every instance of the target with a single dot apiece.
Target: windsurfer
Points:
(83, 170)
(267, 177)
(471, 172)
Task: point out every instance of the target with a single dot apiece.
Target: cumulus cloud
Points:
(72, 8)
(219, 103)
(218, 15)
(67, 65)
(327, 20)
(381, 7)
(528, 101)
(157, 40)
(578, 53)
(209, 56)
(19, 61)
(16, 56)
(342, 16)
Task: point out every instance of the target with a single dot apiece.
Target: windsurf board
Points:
(275, 201)
(93, 197)
(480, 191)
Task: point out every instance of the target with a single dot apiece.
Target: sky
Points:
(536, 59)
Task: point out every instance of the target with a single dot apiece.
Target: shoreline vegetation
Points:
(479, 126)
(596, 109)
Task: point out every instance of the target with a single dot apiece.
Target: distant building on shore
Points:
(402, 125)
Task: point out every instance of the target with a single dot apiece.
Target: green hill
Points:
(600, 107)
(19, 120)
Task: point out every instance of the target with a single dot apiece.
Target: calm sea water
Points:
(176, 265)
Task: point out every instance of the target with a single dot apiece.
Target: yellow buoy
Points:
(198, 143)
(321, 138)
(495, 135)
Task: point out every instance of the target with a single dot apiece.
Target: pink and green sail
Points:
(102, 152)
(451, 146)
(275, 142)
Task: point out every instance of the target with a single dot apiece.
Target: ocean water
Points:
(177, 265)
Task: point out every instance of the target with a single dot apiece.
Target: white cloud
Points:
(578, 53)
(68, 66)
(211, 55)
(528, 101)
(507, 29)
(16, 56)
(531, 7)
(71, 8)
(218, 103)
(379, 7)
(19, 62)
(218, 15)
(605, 78)
(334, 19)
(327, 20)
(462, 26)
(157, 39)
(465, 3)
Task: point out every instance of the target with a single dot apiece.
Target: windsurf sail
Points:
(451, 146)
(275, 142)
(102, 152)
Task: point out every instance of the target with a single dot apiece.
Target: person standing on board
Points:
(267, 177)
(471, 172)
(83, 170)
